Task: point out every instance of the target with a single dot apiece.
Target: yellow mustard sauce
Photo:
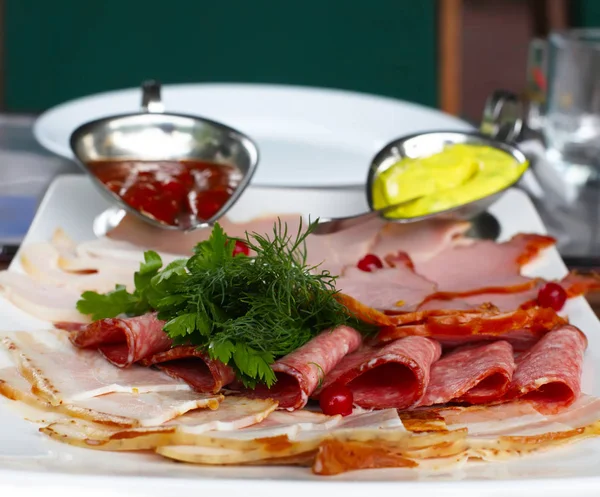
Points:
(458, 175)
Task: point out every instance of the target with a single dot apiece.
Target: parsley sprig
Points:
(244, 311)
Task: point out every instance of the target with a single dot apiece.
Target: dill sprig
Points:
(244, 311)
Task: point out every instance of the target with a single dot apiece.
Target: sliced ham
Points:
(132, 231)
(484, 266)
(473, 374)
(521, 328)
(61, 374)
(550, 373)
(301, 372)
(124, 341)
(387, 289)
(194, 367)
(574, 284)
(421, 241)
(393, 376)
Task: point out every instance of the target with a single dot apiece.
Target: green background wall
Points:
(58, 50)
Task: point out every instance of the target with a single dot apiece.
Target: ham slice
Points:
(132, 231)
(194, 367)
(521, 328)
(421, 241)
(387, 289)
(393, 376)
(574, 284)
(473, 374)
(484, 266)
(124, 341)
(61, 374)
(550, 373)
(300, 373)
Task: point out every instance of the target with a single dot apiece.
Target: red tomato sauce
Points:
(172, 192)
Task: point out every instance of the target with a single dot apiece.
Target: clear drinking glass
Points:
(569, 116)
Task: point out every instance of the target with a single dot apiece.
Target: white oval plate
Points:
(306, 136)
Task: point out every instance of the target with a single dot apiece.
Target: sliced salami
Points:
(550, 373)
(472, 374)
(393, 376)
(124, 341)
(194, 367)
(300, 373)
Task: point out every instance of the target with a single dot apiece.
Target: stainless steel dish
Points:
(423, 145)
(155, 135)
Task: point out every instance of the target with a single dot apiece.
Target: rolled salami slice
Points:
(549, 374)
(393, 376)
(124, 341)
(300, 373)
(194, 367)
(472, 374)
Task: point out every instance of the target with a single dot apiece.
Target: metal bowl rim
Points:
(509, 148)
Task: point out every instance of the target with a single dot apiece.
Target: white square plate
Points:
(29, 458)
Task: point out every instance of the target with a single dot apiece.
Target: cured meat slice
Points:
(132, 231)
(387, 289)
(550, 373)
(113, 409)
(472, 374)
(46, 302)
(421, 241)
(574, 284)
(521, 328)
(124, 341)
(484, 266)
(395, 375)
(577, 284)
(300, 373)
(364, 312)
(276, 441)
(41, 262)
(61, 374)
(194, 367)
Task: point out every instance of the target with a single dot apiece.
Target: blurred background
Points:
(445, 54)
(448, 54)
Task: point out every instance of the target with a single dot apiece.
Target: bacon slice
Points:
(45, 302)
(475, 375)
(300, 373)
(550, 373)
(120, 410)
(124, 341)
(41, 262)
(233, 414)
(387, 289)
(395, 375)
(521, 328)
(194, 367)
(484, 266)
(61, 374)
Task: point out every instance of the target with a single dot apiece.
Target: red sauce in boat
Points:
(172, 192)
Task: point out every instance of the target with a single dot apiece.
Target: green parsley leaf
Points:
(108, 305)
